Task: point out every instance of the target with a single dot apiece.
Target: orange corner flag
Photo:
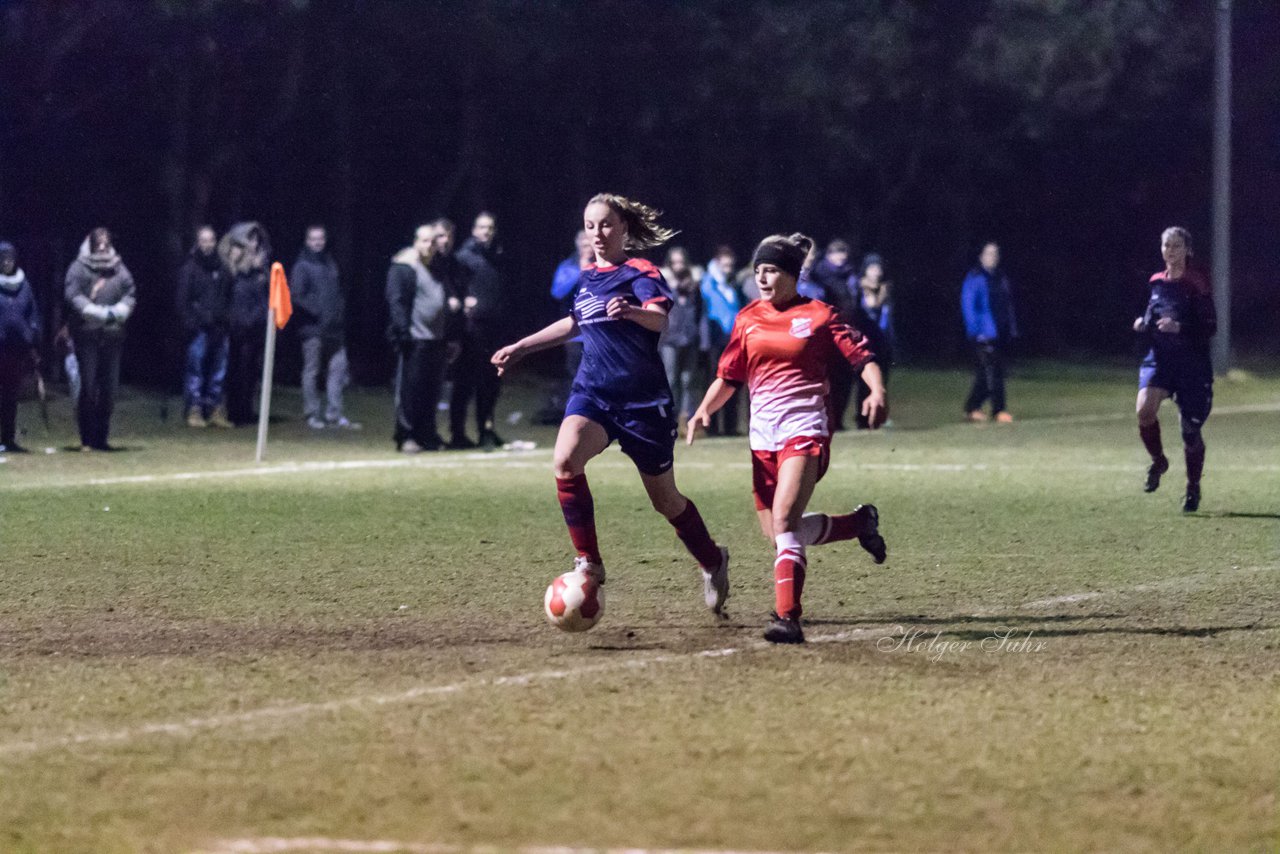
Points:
(279, 300)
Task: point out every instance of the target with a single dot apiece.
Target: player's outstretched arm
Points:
(544, 339)
(876, 407)
(653, 317)
(718, 394)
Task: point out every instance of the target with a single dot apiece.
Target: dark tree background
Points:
(1072, 131)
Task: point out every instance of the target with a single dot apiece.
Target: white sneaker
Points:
(315, 422)
(595, 570)
(715, 583)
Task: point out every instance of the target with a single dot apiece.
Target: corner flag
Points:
(279, 309)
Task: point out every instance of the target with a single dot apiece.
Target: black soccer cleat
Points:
(783, 630)
(1154, 471)
(1191, 501)
(871, 539)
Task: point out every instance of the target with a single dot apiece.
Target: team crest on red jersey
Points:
(801, 327)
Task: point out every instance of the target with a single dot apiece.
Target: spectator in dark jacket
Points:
(828, 281)
(204, 307)
(873, 306)
(682, 343)
(100, 293)
(246, 252)
(987, 304)
(19, 342)
(418, 299)
(319, 310)
(484, 314)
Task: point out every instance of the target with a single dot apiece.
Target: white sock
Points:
(788, 541)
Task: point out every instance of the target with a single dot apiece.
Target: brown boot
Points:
(195, 419)
(218, 418)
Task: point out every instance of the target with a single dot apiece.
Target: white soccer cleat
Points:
(595, 570)
(715, 583)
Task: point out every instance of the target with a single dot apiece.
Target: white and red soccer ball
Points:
(574, 602)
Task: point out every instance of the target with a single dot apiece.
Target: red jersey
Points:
(783, 356)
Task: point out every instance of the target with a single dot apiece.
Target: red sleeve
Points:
(851, 343)
(733, 361)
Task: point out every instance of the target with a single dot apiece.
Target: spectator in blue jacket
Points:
(828, 281)
(721, 301)
(19, 339)
(987, 304)
(564, 285)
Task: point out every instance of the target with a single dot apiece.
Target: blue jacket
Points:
(987, 305)
(19, 318)
(721, 302)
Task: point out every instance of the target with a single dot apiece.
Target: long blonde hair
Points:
(643, 230)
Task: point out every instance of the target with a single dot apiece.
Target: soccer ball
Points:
(574, 602)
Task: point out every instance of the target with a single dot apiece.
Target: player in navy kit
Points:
(1180, 320)
(621, 392)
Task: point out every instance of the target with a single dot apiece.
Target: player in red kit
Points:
(780, 348)
(620, 392)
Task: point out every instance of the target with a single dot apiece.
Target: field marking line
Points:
(189, 727)
(1194, 581)
(279, 845)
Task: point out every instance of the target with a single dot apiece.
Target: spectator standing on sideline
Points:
(100, 292)
(417, 300)
(681, 342)
(987, 304)
(204, 306)
(564, 287)
(19, 342)
(871, 293)
(829, 278)
(721, 302)
(316, 290)
(246, 252)
(483, 308)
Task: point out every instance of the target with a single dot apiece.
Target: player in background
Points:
(620, 391)
(781, 348)
(1180, 320)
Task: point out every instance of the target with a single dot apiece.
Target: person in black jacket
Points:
(419, 294)
(246, 251)
(484, 307)
(19, 340)
(319, 305)
(204, 306)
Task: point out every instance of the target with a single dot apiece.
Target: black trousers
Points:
(988, 379)
(418, 385)
(12, 368)
(244, 366)
(842, 381)
(99, 356)
(475, 377)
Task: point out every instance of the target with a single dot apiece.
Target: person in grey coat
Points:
(419, 300)
(101, 296)
(319, 309)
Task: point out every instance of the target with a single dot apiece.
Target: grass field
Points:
(344, 649)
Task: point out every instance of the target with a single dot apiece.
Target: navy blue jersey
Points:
(1189, 301)
(621, 367)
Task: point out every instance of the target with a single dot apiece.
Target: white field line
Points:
(1196, 581)
(280, 845)
(189, 727)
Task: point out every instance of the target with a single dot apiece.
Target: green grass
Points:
(374, 612)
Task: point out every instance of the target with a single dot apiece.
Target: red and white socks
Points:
(788, 574)
(817, 529)
(579, 515)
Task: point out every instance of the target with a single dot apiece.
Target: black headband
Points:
(784, 256)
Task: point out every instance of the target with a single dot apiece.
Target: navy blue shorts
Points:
(1191, 390)
(647, 436)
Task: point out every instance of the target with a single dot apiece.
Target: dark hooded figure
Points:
(246, 252)
(19, 339)
(204, 307)
(100, 294)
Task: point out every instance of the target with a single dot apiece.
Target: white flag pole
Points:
(268, 370)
